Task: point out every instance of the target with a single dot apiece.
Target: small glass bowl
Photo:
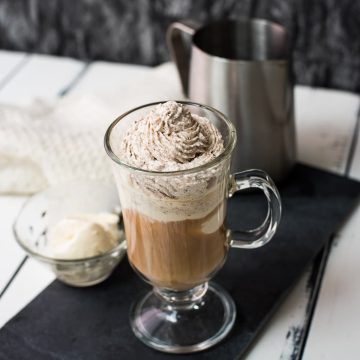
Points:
(46, 208)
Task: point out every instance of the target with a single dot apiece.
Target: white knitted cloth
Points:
(48, 143)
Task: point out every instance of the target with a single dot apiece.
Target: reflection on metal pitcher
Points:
(241, 67)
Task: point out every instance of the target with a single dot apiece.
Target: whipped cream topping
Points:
(170, 138)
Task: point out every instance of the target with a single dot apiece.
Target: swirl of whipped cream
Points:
(170, 138)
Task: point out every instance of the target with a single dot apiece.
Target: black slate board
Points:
(92, 323)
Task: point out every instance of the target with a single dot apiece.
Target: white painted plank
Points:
(105, 78)
(9, 61)
(45, 77)
(278, 338)
(289, 315)
(355, 165)
(325, 122)
(99, 78)
(129, 86)
(29, 282)
(42, 76)
(324, 135)
(10, 253)
(335, 332)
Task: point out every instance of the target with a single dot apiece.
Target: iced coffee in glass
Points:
(171, 163)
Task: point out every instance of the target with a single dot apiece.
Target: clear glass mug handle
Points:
(251, 239)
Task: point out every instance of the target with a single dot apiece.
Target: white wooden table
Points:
(320, 318)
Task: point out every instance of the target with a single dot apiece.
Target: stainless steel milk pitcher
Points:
(241, 67)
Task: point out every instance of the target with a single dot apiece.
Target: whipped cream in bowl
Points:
(75, 229)
(83, 236)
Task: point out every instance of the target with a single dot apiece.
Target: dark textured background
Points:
(324, 33)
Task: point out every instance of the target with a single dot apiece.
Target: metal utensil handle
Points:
(255, 238)
(178, 38)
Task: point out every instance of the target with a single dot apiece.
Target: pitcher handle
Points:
(250, 239)
(178, 38)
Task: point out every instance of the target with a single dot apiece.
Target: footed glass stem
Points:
(185, 321)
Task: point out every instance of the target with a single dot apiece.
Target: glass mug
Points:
(177, 238)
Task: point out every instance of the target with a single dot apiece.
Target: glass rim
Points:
(223, 155)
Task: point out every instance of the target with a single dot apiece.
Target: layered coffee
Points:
(176, 254)
(174, 219)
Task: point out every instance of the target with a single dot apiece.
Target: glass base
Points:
(183, 322)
